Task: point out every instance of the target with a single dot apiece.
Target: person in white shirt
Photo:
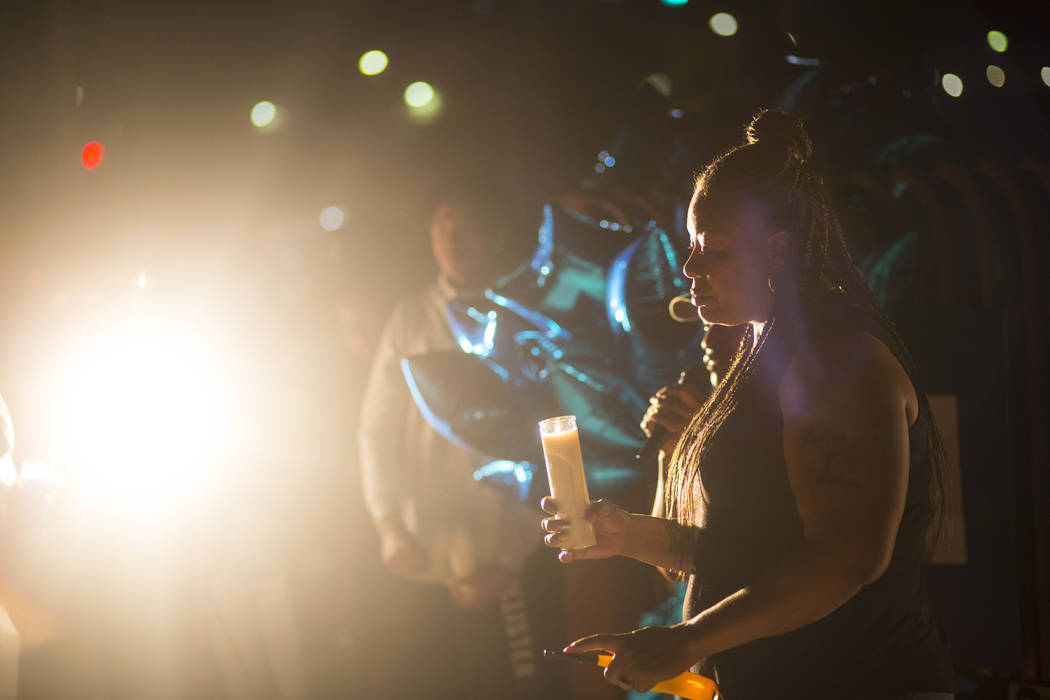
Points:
(436, 524)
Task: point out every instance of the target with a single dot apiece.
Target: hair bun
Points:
(773, 128)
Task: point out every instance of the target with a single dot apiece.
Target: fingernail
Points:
(567, 650)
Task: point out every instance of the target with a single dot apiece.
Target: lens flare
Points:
(139, 415)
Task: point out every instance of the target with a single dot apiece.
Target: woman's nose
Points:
(691, 268)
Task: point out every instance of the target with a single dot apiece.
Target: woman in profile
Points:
(803, 495)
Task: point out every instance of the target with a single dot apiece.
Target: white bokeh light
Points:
(419, 94)
(332, 218)
(263, 113)
(723, 24)
(952, 84)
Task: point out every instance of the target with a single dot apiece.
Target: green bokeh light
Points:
(997, 40)
(373, 62)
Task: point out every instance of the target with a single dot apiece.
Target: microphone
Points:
(691, 376)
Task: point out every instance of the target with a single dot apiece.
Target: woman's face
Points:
(733, 252)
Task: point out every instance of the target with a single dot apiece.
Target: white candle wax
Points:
(568, 482)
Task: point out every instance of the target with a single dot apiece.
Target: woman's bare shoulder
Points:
(848, 366)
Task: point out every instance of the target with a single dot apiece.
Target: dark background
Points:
(223, 216)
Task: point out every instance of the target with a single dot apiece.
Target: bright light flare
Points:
(142, 281)
(419, 94)
(263, 113)
(8, 471)
(723, 24)
(139, 417)
(373, 62)
(952, 84)
(332, 219)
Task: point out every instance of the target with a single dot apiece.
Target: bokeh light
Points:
(92, 154)
(997, 40)
(419, 94)
(263, 113)
(996, 76)
(723, 24)
(674, 3)
(661, 82)
(373, 62)
(332, 218)
(1045, 75)
(142, 281)
(952, 84)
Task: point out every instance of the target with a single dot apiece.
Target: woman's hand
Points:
(610, 528)
(671, 409)
(646, 656)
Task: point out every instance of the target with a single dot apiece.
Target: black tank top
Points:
(884, 640)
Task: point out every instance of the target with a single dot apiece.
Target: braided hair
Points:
(774, 167)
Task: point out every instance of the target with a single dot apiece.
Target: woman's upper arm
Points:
(845, 407)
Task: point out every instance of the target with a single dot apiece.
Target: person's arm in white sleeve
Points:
(384, 474)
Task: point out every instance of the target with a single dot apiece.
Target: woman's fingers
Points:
(622, 670)
(600, 509)
(596, 642)
(556, 539)
(682, 395)
(549, 505)
(554, 525)
(673, 406)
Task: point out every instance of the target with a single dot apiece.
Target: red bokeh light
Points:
(92, 155)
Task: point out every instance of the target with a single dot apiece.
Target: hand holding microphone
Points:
(671, 409)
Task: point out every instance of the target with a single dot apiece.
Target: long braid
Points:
(772, 165)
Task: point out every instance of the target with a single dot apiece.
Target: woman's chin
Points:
(711, 316)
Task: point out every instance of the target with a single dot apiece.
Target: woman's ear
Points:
(776, 250)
